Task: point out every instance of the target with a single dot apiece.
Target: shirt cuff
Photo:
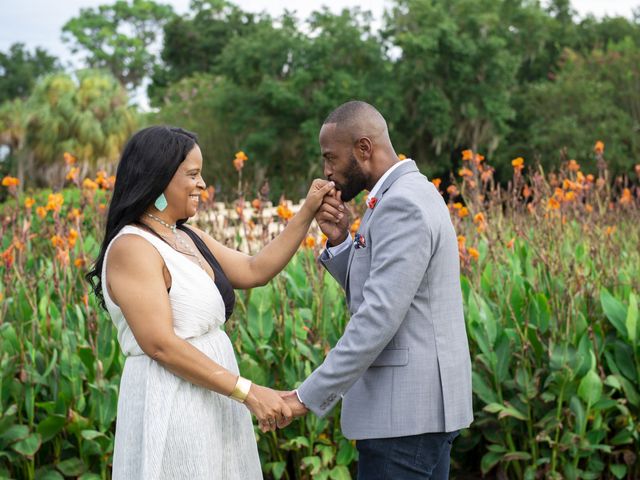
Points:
(337, 249)
(298, 395)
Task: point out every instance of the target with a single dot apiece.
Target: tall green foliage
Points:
(592, 97)
(88, 116)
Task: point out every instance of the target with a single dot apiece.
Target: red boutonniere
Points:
(371, 202)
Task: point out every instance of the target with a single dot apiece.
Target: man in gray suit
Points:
(402, 366)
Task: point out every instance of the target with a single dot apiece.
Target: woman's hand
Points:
(268, 407)
(319, 188)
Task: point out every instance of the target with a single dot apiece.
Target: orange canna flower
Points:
(72, 176)
(29, 202)
(465, 172)
(73, 236)
(102, 208)
(461, 240)
(10, 181)
(79, 262)
(89, 184)
(238, 161)
(55, 202)
(511, 242)
(518, 163)
(402, 156)
(436, 183)
(590, 178)
(41, 212)
(559, 194)
(610, 230)
(323, 238)
(68, 158)
(526, 191)
(573, 166)
(110, 182)
(626, 198)
(475, 254)
(204, 196)
(463, 212)
(8, 257)
(467, 155)
(588, 208)
(570, 196)
(478, 218)
(256, 203)
(57, 241)
(553, 204)
(74, 214)
(310, 242)
(599, 147)
(478, 159)
(284, 212)
(452, 190)
(102, 180)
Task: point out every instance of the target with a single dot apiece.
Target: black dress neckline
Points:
(221, 281)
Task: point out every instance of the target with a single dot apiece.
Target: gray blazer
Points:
(402, 366)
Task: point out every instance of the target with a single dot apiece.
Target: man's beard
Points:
(355, 181)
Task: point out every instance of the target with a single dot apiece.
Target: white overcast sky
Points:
(39, 22)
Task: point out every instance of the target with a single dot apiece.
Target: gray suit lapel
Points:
(407, 167)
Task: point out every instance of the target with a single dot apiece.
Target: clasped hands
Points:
(274, 409)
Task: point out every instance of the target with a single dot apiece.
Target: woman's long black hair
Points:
(149, 161)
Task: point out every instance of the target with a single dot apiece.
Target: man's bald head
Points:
(357, 119)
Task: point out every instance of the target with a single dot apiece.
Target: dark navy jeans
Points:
(417, 457)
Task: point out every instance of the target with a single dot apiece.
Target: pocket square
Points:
(359, 241)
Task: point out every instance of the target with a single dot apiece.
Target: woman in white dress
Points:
(183, 409)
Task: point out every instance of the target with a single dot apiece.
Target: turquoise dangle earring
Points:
(161, 202)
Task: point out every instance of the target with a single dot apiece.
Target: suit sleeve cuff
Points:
(335, 250)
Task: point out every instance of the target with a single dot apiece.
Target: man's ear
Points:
(364, 148)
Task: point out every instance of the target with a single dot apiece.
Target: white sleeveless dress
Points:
(167, 427)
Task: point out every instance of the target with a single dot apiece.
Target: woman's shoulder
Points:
(133, 245)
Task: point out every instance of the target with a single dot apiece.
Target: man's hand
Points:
(333, 218)
(291, 399)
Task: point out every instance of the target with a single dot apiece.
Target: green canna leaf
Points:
(590, 388)
(615, 311)
(632, 319)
